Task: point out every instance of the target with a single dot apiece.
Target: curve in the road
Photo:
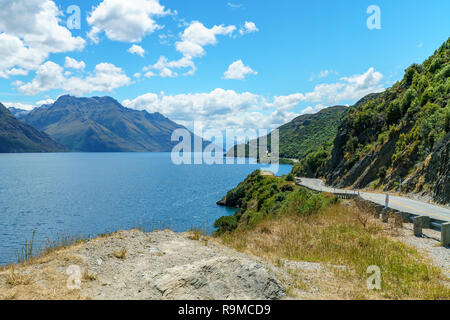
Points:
(395, 202)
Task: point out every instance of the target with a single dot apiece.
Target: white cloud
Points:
(311, 110)
(126, 21)
(191, 45)
(235, 5)
(135, 49)
(215, 110)
(74, 64)
(237, 70)
(14, 72)
(226, 109)
(30, 30)
(26, 106)
(196, 36)
(46, 101)
(19, 105)
(348, 88)
(50, 76)
(249, 27)
(149, 74)
(323, 74)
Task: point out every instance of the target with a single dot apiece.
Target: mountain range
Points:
(18, 113)
(102, 124)
(18, 137)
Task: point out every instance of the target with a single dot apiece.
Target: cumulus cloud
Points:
(126, 21)
(46, 101)
(348, 88)
(235, 5)
(26, 106)
(215, 110)
(19, 105)
(312, 110)
(237, 71)
(196, 36)
(74, 64)
(191, 45)
(227, 109)
(249, 27)
(13, 72)
(135, 49)
(50, 76)
(30, 30)
(323, 74)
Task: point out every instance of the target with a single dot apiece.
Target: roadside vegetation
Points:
(391, 136)
(279, 221)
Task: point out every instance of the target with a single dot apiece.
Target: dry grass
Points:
(121, 254)
(199, 235)
(195, 235)
(88, 276)
(41, 278)
(343, 235)
(14, 278)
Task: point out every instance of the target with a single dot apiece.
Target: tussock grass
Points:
(343, 235)
(121, 254)
(26, 252)
(15, 278)
(88, 276)
(197, 234)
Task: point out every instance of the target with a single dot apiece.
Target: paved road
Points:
(399, 203)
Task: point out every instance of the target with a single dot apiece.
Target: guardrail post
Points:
(417, 226)
(405, 217)
(445, 234)
(384, 215)
(426, 222)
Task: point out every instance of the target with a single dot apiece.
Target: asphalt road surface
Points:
(399, 203)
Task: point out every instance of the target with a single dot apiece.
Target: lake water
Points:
(85, 194)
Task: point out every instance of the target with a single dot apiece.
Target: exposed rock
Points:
(438, 171)
(168, 265)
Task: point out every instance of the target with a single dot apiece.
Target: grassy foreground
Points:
(280, 221)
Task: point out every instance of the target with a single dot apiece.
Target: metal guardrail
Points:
(419, 222)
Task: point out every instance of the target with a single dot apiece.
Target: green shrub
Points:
(226, 224)
(290, 177)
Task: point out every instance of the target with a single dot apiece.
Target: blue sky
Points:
(225, 64)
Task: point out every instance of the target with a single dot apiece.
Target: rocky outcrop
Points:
(161, 265)
(168, 265)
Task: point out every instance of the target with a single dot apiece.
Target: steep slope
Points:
(307, 134)
(103, 125)
(16, 136)
(400, 135)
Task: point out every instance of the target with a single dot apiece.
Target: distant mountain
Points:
(16, 136)
(18, 113)
(308, 133)
(101, 124)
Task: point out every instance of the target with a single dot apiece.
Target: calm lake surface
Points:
(85, 194)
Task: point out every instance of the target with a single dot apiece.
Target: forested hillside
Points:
(306, 134)
(400, 136)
